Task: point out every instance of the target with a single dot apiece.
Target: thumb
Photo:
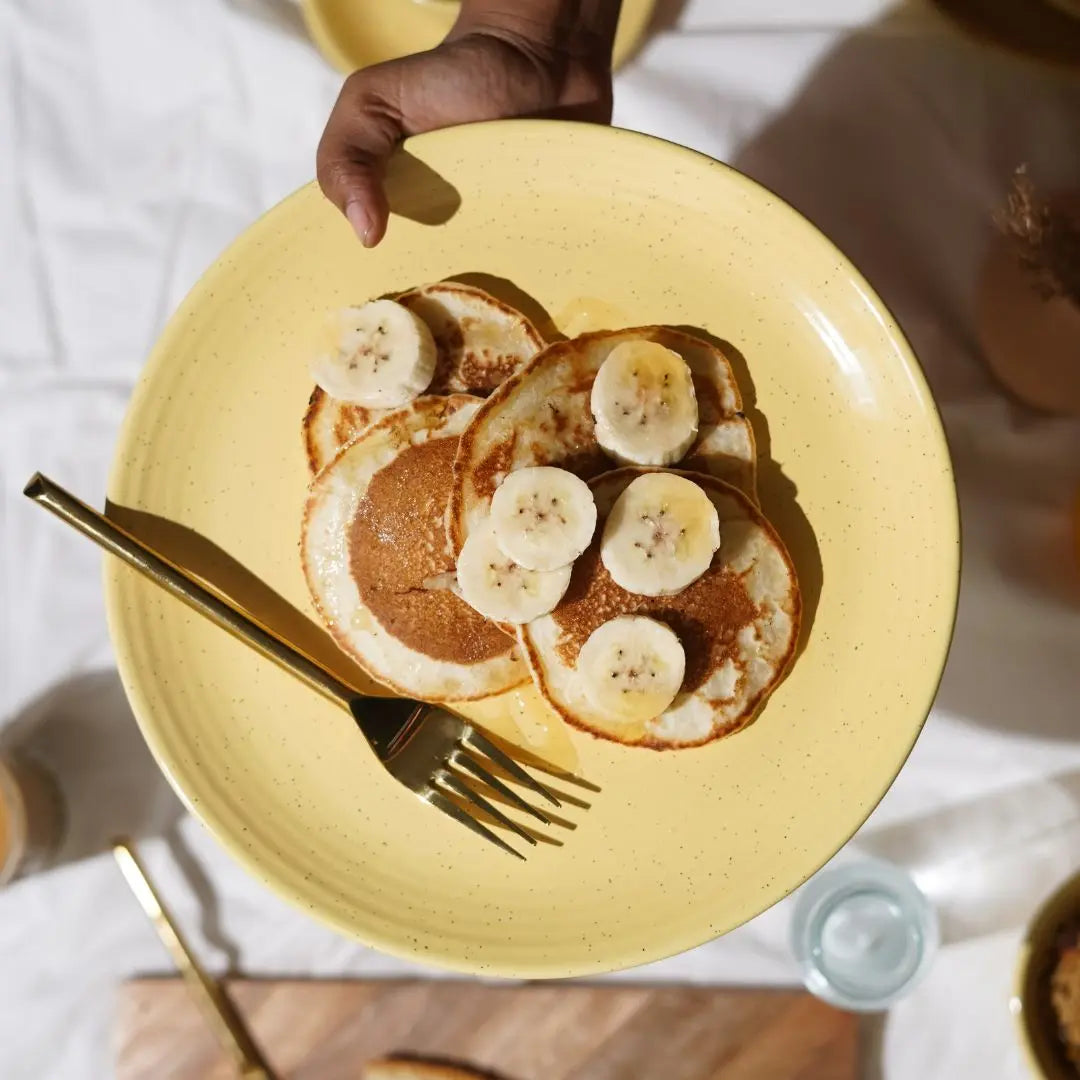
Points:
(363, 130)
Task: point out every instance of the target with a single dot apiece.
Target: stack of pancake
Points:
(426, 407)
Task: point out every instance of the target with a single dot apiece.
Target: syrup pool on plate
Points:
(522, 717)
(584, 314)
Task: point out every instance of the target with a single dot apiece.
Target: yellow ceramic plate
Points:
(601, 227)
(354, 34)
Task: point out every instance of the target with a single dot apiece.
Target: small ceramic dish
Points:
(1035, 1019)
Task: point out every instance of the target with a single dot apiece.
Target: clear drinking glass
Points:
(863, 934)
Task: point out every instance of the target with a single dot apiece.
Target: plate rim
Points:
(310, 902)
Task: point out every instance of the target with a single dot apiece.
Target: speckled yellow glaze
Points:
(677, 847)
(354, 34)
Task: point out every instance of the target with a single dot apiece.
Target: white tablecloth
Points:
(138, 137)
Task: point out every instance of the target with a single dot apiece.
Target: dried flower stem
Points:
(1046, 239)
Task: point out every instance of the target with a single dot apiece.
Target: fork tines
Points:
(467, 774)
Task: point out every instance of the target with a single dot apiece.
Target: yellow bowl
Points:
(598, 227)
(1035, 1019)
(353, 34)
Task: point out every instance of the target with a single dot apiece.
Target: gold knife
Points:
(208, 993)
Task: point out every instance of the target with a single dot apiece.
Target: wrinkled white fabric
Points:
(138, 137)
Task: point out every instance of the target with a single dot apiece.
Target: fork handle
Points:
(172, 579)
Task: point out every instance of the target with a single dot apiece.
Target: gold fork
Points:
(440, 757)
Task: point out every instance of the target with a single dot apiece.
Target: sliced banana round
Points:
(660, 535)
(385, 357)
(631, 668)
(644, 405)
(498, 588)
(543, 517)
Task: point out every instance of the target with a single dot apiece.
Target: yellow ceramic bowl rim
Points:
(326, 41)
(1019, 1010)
(1046, 921)
(307, 898)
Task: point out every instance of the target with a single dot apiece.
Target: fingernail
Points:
(360, 222)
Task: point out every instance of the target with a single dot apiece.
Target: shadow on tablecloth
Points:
(83, 733)
(987, 863)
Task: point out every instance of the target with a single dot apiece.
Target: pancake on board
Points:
(377, 563)
(415, 1069)
(480, 342)
(738, 624)
(542, 416)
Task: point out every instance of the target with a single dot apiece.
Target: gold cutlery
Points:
(209, 995)
(442, 758)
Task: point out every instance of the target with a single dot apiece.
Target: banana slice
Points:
(385, 357)
(543, 517)
(644, 405)
(498, 588)
(631, 668)
(660, 535)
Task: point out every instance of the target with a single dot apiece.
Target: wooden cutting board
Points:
(327, 1030)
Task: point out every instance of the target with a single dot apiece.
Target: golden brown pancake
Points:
(738, 624)
(542, 416)
(378, 564)
(480, 342)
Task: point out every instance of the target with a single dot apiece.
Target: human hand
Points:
(503, 58)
